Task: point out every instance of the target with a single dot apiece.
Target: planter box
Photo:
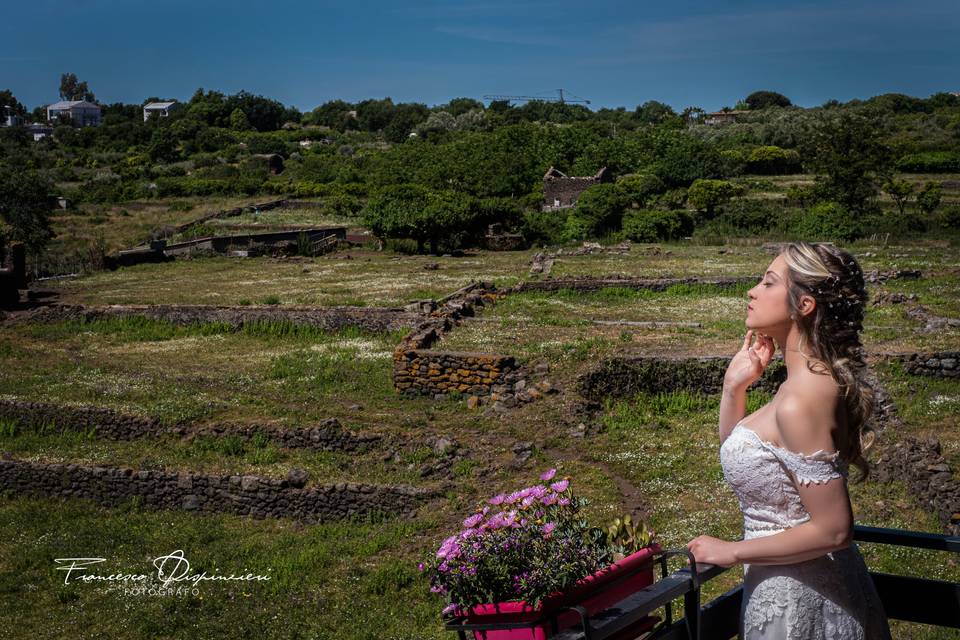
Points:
(595, 593)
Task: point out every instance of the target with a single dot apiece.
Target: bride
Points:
(804, 578)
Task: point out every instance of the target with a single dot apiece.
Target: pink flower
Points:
(473, 520)
(529, 500)
(561, 486)
(449, 608)
(547, 475)
(497, 499)
(549, 499)
(420, 567)
(563, 502)
(548, 529)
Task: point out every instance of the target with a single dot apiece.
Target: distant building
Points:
(561, 191)
(721, 117)
(39, 131)
(161, 109)
(80, 112)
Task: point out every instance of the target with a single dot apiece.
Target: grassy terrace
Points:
(559, 325)
(127, 224)
(270, 220)
(657, 455)
(366, 278)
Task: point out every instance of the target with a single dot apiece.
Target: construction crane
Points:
(561, 99)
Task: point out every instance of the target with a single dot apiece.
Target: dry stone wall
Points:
(927, 475)
(427, 372)
(105, 423)
(242, 495)
(595, 284)
(624, 376)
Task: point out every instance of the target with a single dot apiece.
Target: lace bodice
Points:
(831, 597)
(765, 477)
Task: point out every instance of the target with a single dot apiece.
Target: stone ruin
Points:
(561, 191)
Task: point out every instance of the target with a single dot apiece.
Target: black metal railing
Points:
(912, 599)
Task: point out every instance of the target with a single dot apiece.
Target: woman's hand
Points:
(748, 364)
(710, 550)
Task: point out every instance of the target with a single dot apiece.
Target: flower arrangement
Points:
(525, 546)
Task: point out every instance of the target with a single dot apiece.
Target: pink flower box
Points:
(589, 592)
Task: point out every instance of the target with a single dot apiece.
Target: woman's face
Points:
(767, 306)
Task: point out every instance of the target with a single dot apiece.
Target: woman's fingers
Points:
(746, 340)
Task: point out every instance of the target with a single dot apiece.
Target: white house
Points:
(80, 112)
(162, 109)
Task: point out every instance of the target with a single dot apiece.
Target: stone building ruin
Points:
(561, 191)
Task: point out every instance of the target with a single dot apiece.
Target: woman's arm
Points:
(733, 407)
(805, 430)
(746, 366)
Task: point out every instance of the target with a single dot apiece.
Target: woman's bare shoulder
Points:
(805, 416)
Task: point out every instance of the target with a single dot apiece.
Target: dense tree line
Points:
(461, 161)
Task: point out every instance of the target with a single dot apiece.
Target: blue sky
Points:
(707, 54)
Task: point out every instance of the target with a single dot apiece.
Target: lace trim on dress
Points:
(817, 468)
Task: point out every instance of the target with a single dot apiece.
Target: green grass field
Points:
(656, 455)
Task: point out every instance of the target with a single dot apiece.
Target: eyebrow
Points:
(773, 273)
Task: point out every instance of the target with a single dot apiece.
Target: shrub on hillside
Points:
(827, 221)
(930, 162)
(653, 226)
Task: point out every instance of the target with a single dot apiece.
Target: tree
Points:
(640, 188)
(653, 112)
(72, 89)
(764, 99)
(239, 121)
(899, 191)
(929, 197)
(772, 160)
(414, 211)
(599, 210)
(7, 99)
(330, 114)
(24, 207)
(850, 158)
(708, 195)
(405, 118)
(459, 106)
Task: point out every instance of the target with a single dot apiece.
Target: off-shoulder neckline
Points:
(832, 454)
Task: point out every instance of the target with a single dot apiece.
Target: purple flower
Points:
(450, 607)
(437, 589)
(473, 520)
(549, 499)
(561, 486)
(548, 529)
(529, 500)
(547, 475)
(563, 502)
(497, 499)
(420, 567)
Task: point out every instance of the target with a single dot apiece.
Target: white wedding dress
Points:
(827, 598)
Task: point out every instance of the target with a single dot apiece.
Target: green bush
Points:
(772, 160)
(641, 187)
(708, 195)
(747, 217)
(930, 162)
(950, 217)
(827, 221)
(544, 227)
(653, 226)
